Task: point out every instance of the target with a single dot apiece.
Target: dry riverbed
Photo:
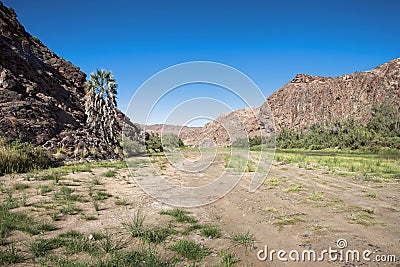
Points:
(96, 214)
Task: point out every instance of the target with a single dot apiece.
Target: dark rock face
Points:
(42, 94)
(308, 100)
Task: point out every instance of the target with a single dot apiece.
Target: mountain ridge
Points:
(307, 100)
(42, 96)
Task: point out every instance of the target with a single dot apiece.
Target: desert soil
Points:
(294, 209)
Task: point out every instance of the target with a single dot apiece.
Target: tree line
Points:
(382, 130)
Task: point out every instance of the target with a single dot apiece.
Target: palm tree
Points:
(100, 105)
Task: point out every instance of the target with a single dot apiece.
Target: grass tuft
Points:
(245, 239)
(211, 231)
(190, 249)
(179, 215)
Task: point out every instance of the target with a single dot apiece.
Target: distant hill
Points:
(308, 100)
(42, 94)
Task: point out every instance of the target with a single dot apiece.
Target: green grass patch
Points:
(40, 247)
(68, 194)
(211, 231)
(96, 181)
(109, 173)
(365, 166)
(89, 217)
(282, 218)
(44, 189)
(21, 157)
(272, 182)
(20, 186)
(294, 188)
(317, 196)
(190, 249)
(228, 259)
(192, 227)
(70, 209)
(101, 195)
(364, 216)
(155, 234)
(10, 255)
(239, 163)
(121, 202)
(179, 215)
(243, 238)
(12, 221)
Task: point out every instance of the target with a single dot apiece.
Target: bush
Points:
(171, 142)
(17, 157)
(382, 130)
(153, 143)
(132, 147)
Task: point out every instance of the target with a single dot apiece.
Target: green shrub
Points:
(153, 143)
(171, 142)
(18, 157)
(382, 130)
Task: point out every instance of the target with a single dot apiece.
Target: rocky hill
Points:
(230, 126)
(41, 94)
(168, 129)
(308, 100)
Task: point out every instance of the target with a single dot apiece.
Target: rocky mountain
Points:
(230, 126)
(168, 129)
(42, 94)
(307, 100)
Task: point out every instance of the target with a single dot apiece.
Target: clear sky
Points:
(270, 41)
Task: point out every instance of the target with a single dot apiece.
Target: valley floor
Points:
(96, 214)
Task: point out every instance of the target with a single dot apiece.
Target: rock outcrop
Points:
(41, 95)
(230, 126)
(308, 100)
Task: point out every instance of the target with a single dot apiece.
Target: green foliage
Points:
(109, 173)
(136, 228)
(255, 143)
(241, 143)
(211, 231)
(10, 256)
(228, 259)
(245, 239)
(382, 130)
(171, 142)
(11, 221)
(132, 147)
(153, 143)
(101, 105)
(190, 249)
(179, 215)
(366, 166)
(18, 157)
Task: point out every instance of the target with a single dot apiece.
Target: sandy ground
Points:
(323, 209)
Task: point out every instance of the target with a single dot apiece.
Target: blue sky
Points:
(269, 41)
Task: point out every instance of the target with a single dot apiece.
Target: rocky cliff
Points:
(308, 100)
(41, 95)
